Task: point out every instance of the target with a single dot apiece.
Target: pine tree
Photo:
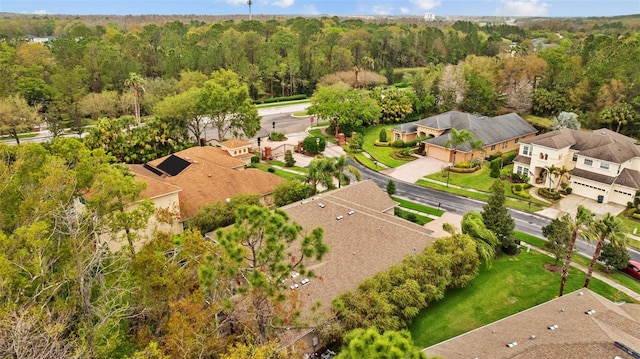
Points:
(391, 188)
(497, 219)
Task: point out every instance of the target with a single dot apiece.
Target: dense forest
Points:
(539, 66)
(65, 293)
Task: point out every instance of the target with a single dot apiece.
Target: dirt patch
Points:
(552, 268)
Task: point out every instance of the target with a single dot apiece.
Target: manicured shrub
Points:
(495, 168)
(312, 145)
(568, 190)
(383, 135)
(289, 161)
(518, 187)
(255, 159)
(277, 136)
(398, 143)
(463, 165)
(495, 155)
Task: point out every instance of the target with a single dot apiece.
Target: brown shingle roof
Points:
(578, 172)
(205, 153)
(212, 176)
(155, 187)
(360, 245)
(522, 159)
(602, 144)
(234, 143)
(629, 178)
(578, 335)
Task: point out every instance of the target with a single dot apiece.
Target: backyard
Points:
(511, 285)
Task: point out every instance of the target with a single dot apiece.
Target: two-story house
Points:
(605, 165)
(497, 134)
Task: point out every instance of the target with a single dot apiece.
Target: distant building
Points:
(498, 134)
(429, 17)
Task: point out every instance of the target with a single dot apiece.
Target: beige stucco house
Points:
(605, 165)
(498, 134)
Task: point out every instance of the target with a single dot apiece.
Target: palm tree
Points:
(136, 83)
(582, 219)
(608, 228)
(457, 139)
(341, 165)
(486, 240)
(476, 145)
(322, 170)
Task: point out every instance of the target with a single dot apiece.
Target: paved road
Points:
(525, 222)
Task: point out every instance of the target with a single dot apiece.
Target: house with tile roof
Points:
(581, 324)
(205, 175)
(498, 134)
(605, 165)
(364, 238)
(238, 148)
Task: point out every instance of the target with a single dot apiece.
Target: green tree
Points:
(342, 165)
(351, 108)
(183, 109)
(220, 214)
(314, 145)
(615, 257)
(608, 228)
(291, 191)
(497, 219)
(288, 159)
(356, 142)
(16, 116)
(458, 139)
(225, 100)
(480, 95)
(368, 343)
(382, 137)
(396, 104)
(136, 83)
(619, 115)
(263, 248)
(486, 241)
(322, 170)
(576, 224)
(391, 188)
(557, 233)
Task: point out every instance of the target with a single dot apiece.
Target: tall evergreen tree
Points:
(497, 219)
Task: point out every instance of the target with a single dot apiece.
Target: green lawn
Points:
(381, 154)
(538, 121)
(577, 258)
(366, 161)
(283, 103)
(20, 135)
(511, 285)
(481, 181)
(294, 168)
(418, 207)
(631, 224)
(278, 172)
(419, 219)
(512, 203)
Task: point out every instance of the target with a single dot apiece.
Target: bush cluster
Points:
(277, 136)
(546, 193)
(280, 99)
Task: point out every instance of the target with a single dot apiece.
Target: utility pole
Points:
(249, 2)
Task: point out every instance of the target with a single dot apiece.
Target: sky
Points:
(552, 8)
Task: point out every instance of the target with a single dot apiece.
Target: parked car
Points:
(633, 269)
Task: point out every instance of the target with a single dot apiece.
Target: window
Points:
(516, 140)
(604, 166)
(526, 150)
(575, 157)
(493, 147)
(588, 162)
(504, 145)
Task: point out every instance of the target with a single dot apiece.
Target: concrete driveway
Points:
(570, 203)
(416, 169)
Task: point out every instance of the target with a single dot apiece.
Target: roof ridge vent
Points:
(512, 344)
(553, 327)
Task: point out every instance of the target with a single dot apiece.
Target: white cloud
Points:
(41, 12)
(311, 10)
(523, 8)
(283, 3)
(236, 2)
(426, 4)
(405, 10)
(381, 9)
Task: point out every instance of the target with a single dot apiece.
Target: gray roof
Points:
(578, 172)
(602, 144)
(578, 335)
(490, 130)
(628, 178)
